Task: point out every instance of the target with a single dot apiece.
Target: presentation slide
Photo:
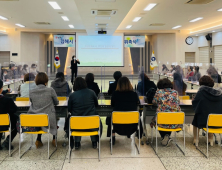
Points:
(100, 50)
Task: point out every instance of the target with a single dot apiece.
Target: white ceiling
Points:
(171, 13)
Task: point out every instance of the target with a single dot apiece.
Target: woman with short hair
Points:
(123, 99)
(29, 84)
(91, 84)
(208, 100)
(43, 100)
(166, 99)
(60, 85)
(82, 102)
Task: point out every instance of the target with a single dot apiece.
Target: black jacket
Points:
(144, 86)
(94, 86)
(83, 103)
(4, 92)
(208, 100)
(61, 87)
(112, 88)
(74, 65)
(7, 105)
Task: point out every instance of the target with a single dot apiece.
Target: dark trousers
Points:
(14, 130)
(74, 71)
(163, 133)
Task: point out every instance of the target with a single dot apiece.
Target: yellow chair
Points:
(170, 118)
(22, 99)
(5, 121)
(214, 120)
(84, 123)
(34, 120)
(184, 97)
(129, 117)
(61, 98)
(141, 97)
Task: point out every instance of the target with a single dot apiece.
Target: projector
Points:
(101, 32)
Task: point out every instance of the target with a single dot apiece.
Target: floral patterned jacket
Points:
(166, 101)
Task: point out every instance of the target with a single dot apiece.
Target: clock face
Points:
(189, 40)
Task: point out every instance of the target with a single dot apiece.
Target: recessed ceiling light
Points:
(128, 26)
(149, 7)
(3, 18)
(71, 26)
(196, 19)
(213, 31)
(136, 19)
(2, 31)
(219, 9)
(178, 26)
(20, 25)
(65, 18)
(196, 35)
(54, 4)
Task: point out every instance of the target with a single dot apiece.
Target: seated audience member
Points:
(82, 102)
(25, 69)
(43, 99)
(208, 100)
(172, 69)
(197, 75)
(167, 101)
(33, 69)
(213, 73)
(29, 84)
(145, 84)
(164, 69)
(11, 72)
(112, 87)
(5, 75)
(190, 72)
(178, 84)
(60, 85)
(19, 71)
(7, 105)
(123, 99)
(178, 69)
(91, 84)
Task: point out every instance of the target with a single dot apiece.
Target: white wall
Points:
(217, 38)
(202, 41)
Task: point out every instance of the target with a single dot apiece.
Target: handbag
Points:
(27, 129)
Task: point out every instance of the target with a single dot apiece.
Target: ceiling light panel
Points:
(65, 18)
(128, 26)
(71, 26)
(136, 19)
(219, 9)
(54, 4)
(196, 19)
(178, 26)
(3, 18)
(20, 25)
(150, 6)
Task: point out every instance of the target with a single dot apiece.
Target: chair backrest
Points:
(4, 120)
(61, 98)
(84, 122)
(141, 97)
(170, 118)
(22, 99)
(34, 120)
(125, 117)
(215, 120)
(184, 97)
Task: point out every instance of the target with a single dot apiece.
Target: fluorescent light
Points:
(2, 31)
(219, 9)
(178, 26)
(65, 18)
(136, 19)
(196, 19)
(128, 26)
(71, 26)
(54, 4)
(206, 29)
(3, 18)
(196, 35)
(20, 25)
(149, 7)
(213, 31)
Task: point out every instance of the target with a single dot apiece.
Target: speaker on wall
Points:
(208, 37)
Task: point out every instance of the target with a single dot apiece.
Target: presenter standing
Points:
(74, 67)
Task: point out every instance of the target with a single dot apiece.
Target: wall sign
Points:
(134, 41)
(64, 40)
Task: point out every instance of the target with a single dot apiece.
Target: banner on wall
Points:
(64, 40)
(134, 41)
(153, 62)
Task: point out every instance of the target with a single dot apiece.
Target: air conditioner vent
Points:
(60, 13)
(157, 24)
(142, 14)
(42, 23)
(103, 12)
(199, 2)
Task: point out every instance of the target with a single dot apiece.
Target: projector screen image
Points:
(100, 50)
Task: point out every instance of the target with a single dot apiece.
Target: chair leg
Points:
(207, 143)
(55, 148)
(10, 135)
(99, 147)
(69, 148)
(19, 145)
(156, 141)
(111, 145)
(184, 140)
(48, 145)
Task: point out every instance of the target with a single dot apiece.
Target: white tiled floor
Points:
(124, 155)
